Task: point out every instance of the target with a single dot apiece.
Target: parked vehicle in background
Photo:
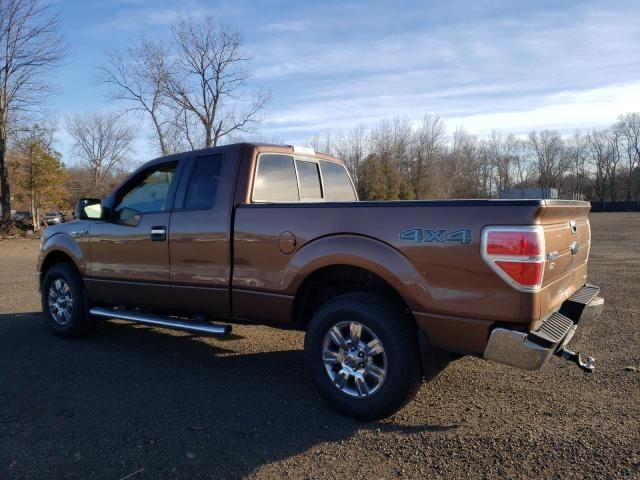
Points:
(387, 292)
(21, 215)
(53, 218)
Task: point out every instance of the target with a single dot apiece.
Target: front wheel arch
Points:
(53, 258)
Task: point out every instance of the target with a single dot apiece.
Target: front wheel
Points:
(63, 301)
(364, 356)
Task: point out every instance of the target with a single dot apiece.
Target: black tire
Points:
(398, 336)
(78, 323)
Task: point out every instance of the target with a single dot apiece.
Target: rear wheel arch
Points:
(331, 281)
(352, 263)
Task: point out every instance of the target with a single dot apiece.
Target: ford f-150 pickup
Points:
(387, 292)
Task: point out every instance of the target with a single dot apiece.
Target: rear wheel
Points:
(63, 301)
(364, 356)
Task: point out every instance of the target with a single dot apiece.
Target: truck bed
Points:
(434, 247)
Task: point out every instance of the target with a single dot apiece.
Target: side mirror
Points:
(128, 216)
(89, 209)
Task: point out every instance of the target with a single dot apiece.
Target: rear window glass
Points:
(337, 185)
(309, 177)
(275, 179)
(203, 185)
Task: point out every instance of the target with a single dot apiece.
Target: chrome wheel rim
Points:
(60, 302)
(354, 359)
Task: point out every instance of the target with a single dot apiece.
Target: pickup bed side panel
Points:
(447, 277)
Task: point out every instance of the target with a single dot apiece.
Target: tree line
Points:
(398, 159)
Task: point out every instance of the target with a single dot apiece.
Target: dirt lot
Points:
(158, 404)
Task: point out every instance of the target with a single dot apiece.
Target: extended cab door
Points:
(130, 251)
(200, 232)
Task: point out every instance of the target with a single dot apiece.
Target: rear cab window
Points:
(309, 179)
(337, 184)
(295, 178)
(275, 179)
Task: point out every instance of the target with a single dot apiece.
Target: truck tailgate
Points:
(568, 240)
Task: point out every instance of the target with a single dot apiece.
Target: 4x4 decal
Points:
(426, 235)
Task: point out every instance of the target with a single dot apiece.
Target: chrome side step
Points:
(160, 321)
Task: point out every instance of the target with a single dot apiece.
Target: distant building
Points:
(513, 193)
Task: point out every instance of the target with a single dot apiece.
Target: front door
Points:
(130, 251)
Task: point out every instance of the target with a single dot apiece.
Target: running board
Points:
(160, 321)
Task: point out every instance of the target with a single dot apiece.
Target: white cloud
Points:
(564, 111)
(286, 26)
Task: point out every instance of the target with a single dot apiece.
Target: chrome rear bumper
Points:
(530, 351)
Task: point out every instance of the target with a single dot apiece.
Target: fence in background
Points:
(633, 206)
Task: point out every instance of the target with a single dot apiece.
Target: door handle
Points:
(159, 233)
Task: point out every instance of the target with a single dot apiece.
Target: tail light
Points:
(516, 254)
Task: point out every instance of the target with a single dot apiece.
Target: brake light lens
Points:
(514, 243)
(516, 254)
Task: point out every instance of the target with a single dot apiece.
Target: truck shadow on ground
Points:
(132, 397)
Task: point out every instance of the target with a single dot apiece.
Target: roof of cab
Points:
(259, 146)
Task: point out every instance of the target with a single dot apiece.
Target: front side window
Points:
(309, 178)
(203, 184)
(275, 180)
(148, 194)
(337, 184)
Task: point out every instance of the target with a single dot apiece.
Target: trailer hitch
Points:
(576, 358)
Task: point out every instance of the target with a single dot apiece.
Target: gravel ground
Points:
(151, 403)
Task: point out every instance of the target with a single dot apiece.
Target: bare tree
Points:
(503, 151)
(102, 142)
(614, 138)
(322, 143)
(428, 144)
(628, 127)
(577, 150)
(465, 158)
(352, 149)
(30, 46)
(137, 77)
(548, 154)
(209, 80)
(599, 151)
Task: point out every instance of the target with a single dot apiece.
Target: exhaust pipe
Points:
(160, 321)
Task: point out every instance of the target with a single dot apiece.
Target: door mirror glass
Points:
(89, 209)
(129, 216)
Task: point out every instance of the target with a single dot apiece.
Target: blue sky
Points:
(509, 65)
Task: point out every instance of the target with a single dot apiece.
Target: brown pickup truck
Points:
(387, 292)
